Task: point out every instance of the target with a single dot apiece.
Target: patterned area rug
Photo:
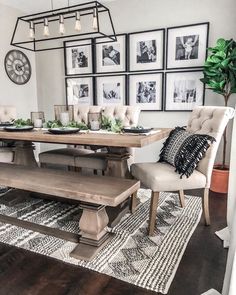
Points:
(131, 256)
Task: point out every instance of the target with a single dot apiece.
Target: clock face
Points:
(18, 67)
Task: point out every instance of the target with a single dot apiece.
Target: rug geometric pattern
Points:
(131, 256)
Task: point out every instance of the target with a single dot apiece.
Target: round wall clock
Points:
(17, 66)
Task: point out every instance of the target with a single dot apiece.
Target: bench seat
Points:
(94, 193)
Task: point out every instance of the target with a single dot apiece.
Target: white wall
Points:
(24, 97)
(137, 15)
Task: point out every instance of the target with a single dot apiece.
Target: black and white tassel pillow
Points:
(184, 150)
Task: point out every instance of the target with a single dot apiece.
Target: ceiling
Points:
(32, 6)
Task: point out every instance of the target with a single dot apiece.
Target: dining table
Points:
(118, 149)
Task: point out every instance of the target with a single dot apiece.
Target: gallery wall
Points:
(24, 97)
(139, 15)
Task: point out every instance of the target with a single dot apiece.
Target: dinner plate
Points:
(18, 129)
(63, 130)
(5, 124)
(137, 130)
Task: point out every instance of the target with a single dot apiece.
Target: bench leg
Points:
(94, 236)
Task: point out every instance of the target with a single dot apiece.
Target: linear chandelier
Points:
(47, 30)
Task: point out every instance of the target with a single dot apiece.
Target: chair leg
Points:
(153, 213)
(78, 169)
(70, 168)
(133, 202)
(205, 205)
(181, 198)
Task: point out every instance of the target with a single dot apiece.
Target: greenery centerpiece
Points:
(72, 124)
(113, 125)
(220, 76)
(19, 123)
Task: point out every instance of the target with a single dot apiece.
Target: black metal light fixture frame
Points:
(84, 9)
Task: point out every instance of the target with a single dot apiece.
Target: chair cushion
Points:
(96, 161)
(184, 150)
(64, 156)
(161, 177)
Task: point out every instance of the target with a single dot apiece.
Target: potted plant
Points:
(220, 76)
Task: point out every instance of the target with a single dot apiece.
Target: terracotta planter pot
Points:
(219, 180)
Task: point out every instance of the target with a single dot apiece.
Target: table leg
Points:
(92, 224)
(117, 166)
(24, 154)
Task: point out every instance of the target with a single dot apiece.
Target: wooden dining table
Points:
(118, 146)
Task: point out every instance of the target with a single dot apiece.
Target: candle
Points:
(38, 123)
(94, 125)
(64, 118)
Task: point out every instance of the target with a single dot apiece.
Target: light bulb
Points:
(61, 25)
(77, 22)
(46, 32)
(31, 31)
(95, 20)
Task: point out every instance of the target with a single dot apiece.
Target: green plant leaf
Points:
(225, 62)
(214, 59)
(221, 43)
(220, 54)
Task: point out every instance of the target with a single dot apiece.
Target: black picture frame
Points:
(97, 59)
(172, 53)
(92, 96)
(84, 43)
(160, 64)
(161, 94)
(97, 101)
(167, 86)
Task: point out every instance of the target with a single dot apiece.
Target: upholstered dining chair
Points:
(90, 158)
(7, 113)
(129, 116)
(161, 176)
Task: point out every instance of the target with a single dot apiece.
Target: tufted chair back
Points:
(209, 120)
(129, 115)
(7, 113)
(81, 112)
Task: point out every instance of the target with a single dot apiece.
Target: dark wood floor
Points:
(202, 267)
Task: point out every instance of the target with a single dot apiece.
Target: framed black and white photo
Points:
(112, 57)
(80, 90)
(111, 90)
(146, 91)
(187, 46)
(146, 50)
(183, 90)
(78, 57)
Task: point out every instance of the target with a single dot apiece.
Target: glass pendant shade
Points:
(77, 22)
(95, 20)
(46, 32)
(61, 25)
(31, 31)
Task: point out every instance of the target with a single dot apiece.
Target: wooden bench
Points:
(94, 193)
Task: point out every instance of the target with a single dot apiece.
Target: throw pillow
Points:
(184, 150)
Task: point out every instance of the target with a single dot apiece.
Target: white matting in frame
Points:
(146, 50)
(79, 91)
(187, 46)
(145, 91)
(111, 90)
(79, 58)
(111, 57)
(184, 91)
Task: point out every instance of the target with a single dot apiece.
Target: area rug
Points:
(131, 256)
